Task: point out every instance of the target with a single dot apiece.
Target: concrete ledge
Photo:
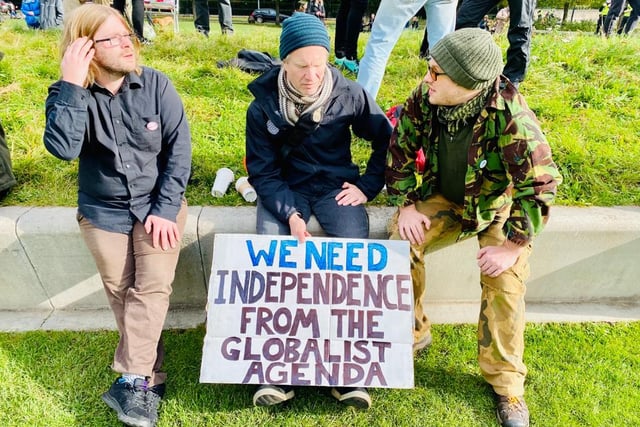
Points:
(585, 265)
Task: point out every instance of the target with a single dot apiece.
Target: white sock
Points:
(130, 378)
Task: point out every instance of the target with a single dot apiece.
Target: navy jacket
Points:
(322, 161)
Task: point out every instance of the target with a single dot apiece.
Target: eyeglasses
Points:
(434, 74)
(116, 40)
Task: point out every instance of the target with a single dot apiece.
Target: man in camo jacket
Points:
(468, 158)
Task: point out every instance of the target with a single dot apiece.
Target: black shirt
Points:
(134, 147)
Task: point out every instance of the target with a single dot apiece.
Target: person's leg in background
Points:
(632, 22)
(391, 18)
(424, 46)
(441, 19)
(225, 15)
(137, 19)
(615, 9)
(354, 21)
(340, 42)
(471, 12)
(201, 16)
(521, 16)
(137, 15)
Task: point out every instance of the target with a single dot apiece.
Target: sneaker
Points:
(352, 396)
(351, 65)
(202, 31)
(268, 395)
(153, 398)
(512, 411)
(424, 343)
(339, 62)
(128, 400)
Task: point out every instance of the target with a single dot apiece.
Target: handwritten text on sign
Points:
(324, 312)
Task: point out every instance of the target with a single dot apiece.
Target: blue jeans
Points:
(335, 220)
(391, 18)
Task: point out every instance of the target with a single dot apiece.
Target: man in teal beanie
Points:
(298, 142)
(487, 171)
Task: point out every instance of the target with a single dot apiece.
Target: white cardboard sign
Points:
(326, 312)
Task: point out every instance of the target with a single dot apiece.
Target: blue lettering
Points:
(377, 255)
(285, 252)
(333, 254)
(312, 254)
(351, 255)
(268, 257)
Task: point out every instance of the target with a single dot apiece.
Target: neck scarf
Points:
(461, 115)
(293, 104)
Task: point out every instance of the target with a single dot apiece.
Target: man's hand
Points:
(351, 195)
(165, 232)
(298, 228)
(411, 224)
(494, 260)
(76, 60)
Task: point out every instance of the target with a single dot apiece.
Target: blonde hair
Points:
(84, 21)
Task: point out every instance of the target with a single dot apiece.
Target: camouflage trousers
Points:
(502, 308)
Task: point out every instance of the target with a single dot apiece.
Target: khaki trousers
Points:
(137, 279)
(501, 322)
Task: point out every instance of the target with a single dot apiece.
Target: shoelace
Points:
(513, 405)
(138, 399)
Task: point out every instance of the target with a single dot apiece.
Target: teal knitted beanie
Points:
(470, 57)
(301, 30)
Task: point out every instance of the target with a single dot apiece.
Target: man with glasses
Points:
(487, 172)
(127, 126)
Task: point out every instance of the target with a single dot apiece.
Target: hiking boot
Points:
(352, 396)
(423, 343)
(512, 411)
(268, 395)
(153, 397)
(351, 65)
(128, 400)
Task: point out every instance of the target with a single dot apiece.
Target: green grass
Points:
(579, 375)
(584, 89)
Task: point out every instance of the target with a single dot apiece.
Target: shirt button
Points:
(127, 166)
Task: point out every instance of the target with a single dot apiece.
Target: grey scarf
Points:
(293, 104)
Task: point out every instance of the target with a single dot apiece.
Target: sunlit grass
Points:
(584, 89)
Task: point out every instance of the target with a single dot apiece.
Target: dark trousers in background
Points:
(137, 14)
(348, 26)
(521, 16)
(201, 15)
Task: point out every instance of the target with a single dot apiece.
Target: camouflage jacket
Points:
(509, 161)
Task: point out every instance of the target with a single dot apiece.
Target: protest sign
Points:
(326, 312)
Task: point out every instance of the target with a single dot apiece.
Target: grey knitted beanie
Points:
(301, 30)
(470, 57)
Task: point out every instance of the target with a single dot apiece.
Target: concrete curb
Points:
(584, 267)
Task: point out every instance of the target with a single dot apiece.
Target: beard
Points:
(117, 66)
